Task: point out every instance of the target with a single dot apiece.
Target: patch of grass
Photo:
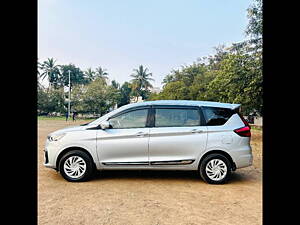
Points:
(259, 128)
(60, 118)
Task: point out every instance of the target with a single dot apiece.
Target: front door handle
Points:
(197, 131)
(140, 134)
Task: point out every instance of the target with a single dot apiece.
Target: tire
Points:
(218, 175)
(76, 166)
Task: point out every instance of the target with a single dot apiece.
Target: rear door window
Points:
(181, 117)
(216, 116)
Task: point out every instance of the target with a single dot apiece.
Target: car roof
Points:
(187, 103)
(166, 102)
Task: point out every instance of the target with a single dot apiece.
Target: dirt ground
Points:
(148, 197)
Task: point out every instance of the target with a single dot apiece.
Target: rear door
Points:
(178, 135)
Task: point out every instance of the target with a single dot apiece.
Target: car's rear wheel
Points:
(76, 166)
(215, 169)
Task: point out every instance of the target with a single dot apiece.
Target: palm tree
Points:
(49, 70)
(38, 68)
(38, 72)
(141, 81)
(90, 74)
(101, 73)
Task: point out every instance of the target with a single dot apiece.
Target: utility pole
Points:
(69, 103)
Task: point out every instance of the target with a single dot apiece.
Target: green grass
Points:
(253, 127)
(61, 118)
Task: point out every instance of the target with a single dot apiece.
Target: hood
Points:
(68, 129)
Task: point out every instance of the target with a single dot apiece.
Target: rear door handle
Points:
(197, 131)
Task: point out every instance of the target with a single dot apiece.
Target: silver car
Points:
(209, 137)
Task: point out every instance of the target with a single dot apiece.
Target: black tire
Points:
(89, 170)
(206, 160)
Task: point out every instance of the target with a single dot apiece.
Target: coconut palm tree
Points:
(141, 81)
(90, 74)
(38, 72)
(49, 70)
(101, 73)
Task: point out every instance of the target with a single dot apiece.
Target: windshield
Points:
(104, 117)
(88, 122)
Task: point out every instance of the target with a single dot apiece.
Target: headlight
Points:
(56, 137)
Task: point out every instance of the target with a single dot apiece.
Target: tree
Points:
(97, 97)
(42, 100)
(115, 84)
(175, 91)
(51, 71)
(39, 66)
(101, 73)
(125, 92)
(38, 73)
(215, 60)
(113, 95)
(192, 78)
(141, 82)
(50, 101)
(199, 89)
(89, 75)
(233, 74)
(255, 25)
(239, 80)
(169, 78)
(77, 102)
(76, 75)
(56, 101)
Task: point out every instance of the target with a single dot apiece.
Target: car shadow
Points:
(147, 174)
(241, 177)
(236, 177)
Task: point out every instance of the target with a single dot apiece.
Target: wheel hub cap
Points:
(216, 169)
(74, 167)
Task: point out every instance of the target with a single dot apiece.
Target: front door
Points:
(125, 143)
(178, 136)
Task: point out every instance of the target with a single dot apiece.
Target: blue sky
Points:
(120, 35)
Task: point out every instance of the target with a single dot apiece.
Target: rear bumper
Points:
(242, 156)
(244, 161)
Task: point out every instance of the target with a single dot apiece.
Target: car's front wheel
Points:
(76, 166)
(215, 169)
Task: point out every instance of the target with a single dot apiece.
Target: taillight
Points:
(244, 121)
(243, 131)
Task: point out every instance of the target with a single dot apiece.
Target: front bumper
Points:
(46, 159)
(49, 155)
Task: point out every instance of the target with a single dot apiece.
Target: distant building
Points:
(255, 120)
(258, 121)
(134, 100)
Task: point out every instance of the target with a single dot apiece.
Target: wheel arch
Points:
(224, 153)
(63, 152)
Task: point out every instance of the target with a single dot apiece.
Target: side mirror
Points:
(104, 125)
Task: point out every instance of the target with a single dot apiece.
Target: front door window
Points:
(133, 119)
